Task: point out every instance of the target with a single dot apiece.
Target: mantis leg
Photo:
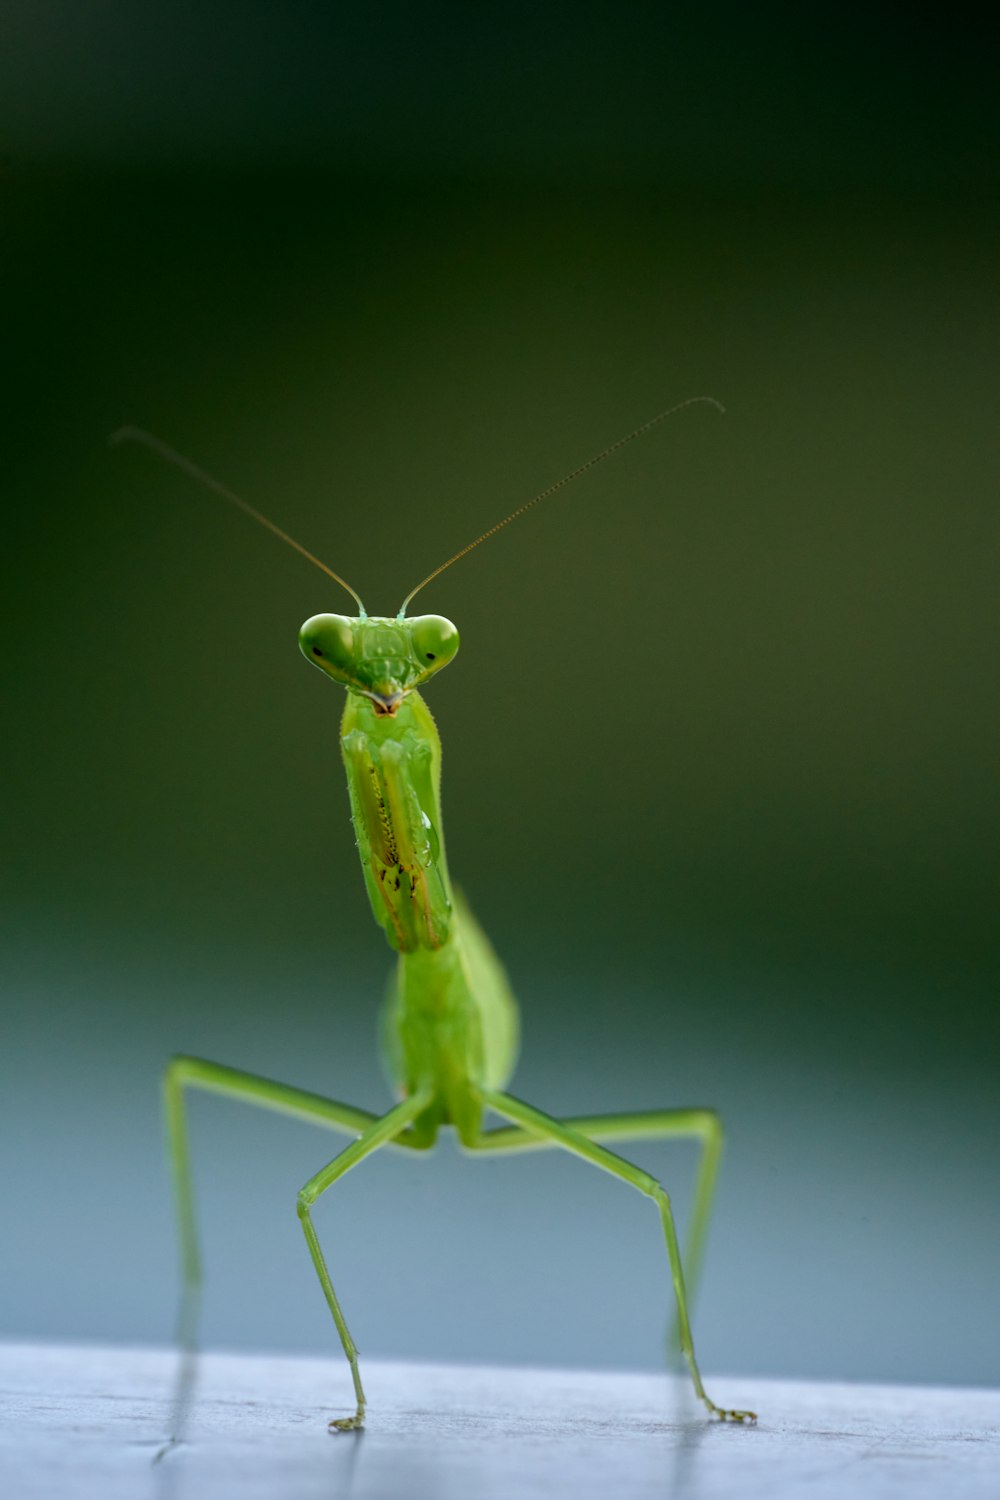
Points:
(378, 1134)
(702, 1125)
(195, 1072)
(571, 1138)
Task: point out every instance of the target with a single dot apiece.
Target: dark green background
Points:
(720, 745)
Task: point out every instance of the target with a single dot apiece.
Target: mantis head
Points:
(381, 659)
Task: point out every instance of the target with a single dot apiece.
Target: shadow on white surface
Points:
(84, 1421)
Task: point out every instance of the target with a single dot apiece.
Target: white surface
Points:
(83, 1421)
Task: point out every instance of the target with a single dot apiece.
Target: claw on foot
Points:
(347, 1424)
(735, 1416)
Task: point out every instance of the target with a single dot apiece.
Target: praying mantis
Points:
(450, 1023)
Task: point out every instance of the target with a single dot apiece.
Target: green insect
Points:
(449, 1026)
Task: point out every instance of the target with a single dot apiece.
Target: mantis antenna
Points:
(137, 435)
(559, 484)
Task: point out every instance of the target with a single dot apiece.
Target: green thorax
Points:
(393, 765)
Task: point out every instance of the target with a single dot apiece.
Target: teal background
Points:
(719, 746)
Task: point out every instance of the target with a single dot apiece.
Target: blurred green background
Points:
(720, 745)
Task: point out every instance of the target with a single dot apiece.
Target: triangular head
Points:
(380, 658)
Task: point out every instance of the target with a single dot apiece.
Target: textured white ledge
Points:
(80, 1421)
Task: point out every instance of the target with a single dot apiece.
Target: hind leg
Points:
(570, 1138)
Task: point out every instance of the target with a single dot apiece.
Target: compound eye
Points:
(328, 640)
(434, 640)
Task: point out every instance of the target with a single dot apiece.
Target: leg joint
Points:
(178, 1068)
(659, 1193)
